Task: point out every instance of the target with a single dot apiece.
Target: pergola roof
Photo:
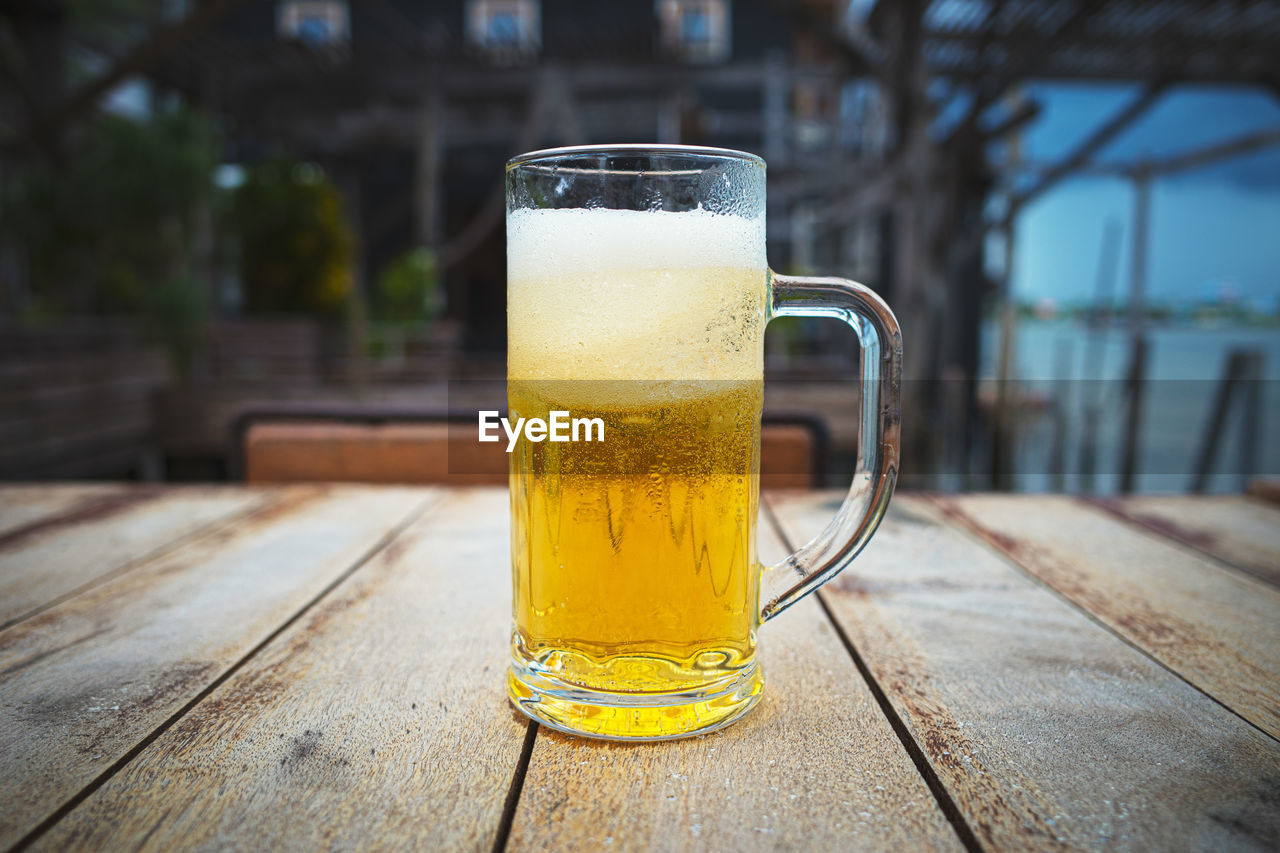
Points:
(1222, 42)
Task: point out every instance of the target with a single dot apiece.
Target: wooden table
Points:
(316, 667)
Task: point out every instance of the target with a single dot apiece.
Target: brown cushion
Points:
(414, 453)
(410, 453)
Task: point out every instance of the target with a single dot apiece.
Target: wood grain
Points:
(1216, 627)
(1046, 729)
(1241, 532)
(26, 505)
(814, 766)
(103, 536)
(84, 682)
(377, 721)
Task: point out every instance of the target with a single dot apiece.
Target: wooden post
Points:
(426, 195)
(1001, 421)
(1138, 260)
(1242, 373)
(670, 110)
(1063, 358)
(1095, 353)
(776, 125)
(558, 111)
(1089, 445)
(1137, 325)
(34, 68)
(1250, 417)
(357, 320)
(1135, 387)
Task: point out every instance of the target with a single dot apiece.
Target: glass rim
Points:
(544, 155)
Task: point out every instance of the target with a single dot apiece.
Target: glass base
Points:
(634, 716)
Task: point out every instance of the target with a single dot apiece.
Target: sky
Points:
(1214, 230)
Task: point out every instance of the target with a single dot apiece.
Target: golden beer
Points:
(637, 295)
(633, 558)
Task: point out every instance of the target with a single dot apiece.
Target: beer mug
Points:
(637, 298)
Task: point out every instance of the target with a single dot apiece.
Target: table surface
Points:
(320, 666)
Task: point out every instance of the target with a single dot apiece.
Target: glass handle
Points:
(786, 582)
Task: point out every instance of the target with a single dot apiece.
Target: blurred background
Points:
(208, 206)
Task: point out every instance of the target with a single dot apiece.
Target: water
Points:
(1184, 367)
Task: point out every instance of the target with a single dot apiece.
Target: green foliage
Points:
(409, 289)
(295, 247)
(176, 315)
(116, 219)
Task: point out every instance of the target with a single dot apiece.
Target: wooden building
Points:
(886, 125)
(889, 127)
(414, 107)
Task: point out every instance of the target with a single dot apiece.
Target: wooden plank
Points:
(814, 766)
(42, 563)
(1046, 730)
(1267, 491)
(438, 452)
(86, 681)
(1217, 628)
(390, 687)
(26, 505)
(1243, 533)
(408, 453)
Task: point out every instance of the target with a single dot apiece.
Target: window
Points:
(314, 22)
(505, 29)
(694, 30)
(695, 27)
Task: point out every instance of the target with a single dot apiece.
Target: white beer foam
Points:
(629, 294)
(571, 241)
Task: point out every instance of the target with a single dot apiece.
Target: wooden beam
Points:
(1184, 44)
(428, 192)
(1180, 162)
(856, 47)
(1270, 82)
(1025, 112)
(1027, 54)
(154, 48)
(13, 64)
(552, 111)
(1108, 131)
(33, 51)
(905, 73)
(1219, 151)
